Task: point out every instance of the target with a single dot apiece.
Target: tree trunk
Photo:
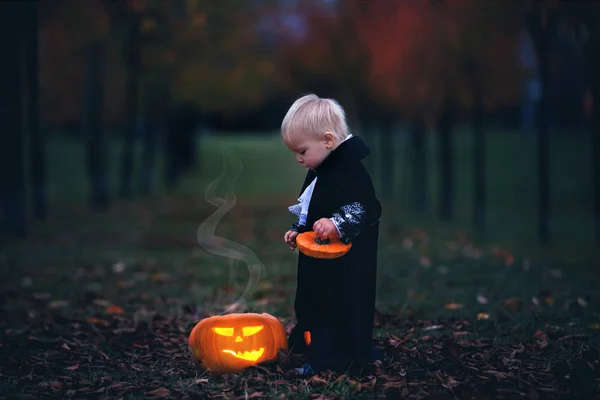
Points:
(543, 169)
(539, 26)
(417, 130)
(387, 157)
(590, 41)
(36, 138)
(94, 124)
(446, 162)
(128, 137)
(372, 134)
(13, 17)
(594, 61)
(479, 184)
(148, 167)
(132, 60)
(360, 125)
(154, 122)
(595, 148)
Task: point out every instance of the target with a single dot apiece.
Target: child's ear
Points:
(328, 138)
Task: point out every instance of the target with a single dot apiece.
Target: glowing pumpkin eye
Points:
(251, 330)
(223, 331)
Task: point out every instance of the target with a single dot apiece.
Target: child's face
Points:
(310, 151)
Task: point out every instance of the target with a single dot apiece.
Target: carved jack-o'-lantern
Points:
(232, 342)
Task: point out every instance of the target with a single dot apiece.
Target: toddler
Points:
(335, 298)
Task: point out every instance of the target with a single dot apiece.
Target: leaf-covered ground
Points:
(102, 305)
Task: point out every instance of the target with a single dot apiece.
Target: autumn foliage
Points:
(204, 52)
(229, 56)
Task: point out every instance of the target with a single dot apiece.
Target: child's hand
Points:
(290, 239)
(325, 229)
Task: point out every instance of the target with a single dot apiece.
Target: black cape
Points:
(335, 298)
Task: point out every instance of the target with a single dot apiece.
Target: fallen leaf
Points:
(58, 304)
(453, 306)
(73, 367)
(160, 277)
(160, 392)
(513, 303)
(541, 338)
(393, 384)
(519, 350)
(574, 336)
(263, 302)
(451, 383)
(56, 385)
(114, 309)
(41, 296)
(94, 320)
(119, 267)
(265, 286)
(126, 284)
(414, 295)
(497, 374)
(508, 258)
(227, 288)
(483, 316)
(552, 328)
(432, 327)
(316, 379)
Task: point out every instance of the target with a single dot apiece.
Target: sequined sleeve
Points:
(349, 221)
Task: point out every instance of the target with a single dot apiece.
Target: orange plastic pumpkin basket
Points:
(309, 244)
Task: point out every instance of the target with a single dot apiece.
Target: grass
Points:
(511, 179)
(462, 314)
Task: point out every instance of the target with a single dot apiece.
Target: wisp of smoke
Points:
(232, 167)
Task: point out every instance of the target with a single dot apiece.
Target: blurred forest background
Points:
(483, 118)
(477, 112)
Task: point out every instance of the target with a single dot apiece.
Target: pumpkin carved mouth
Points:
(247, 355)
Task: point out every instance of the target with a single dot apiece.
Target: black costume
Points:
(335, 298)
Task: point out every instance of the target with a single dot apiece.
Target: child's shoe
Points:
(305, 370)
(378, 354)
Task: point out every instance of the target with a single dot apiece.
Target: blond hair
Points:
(311, 115)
